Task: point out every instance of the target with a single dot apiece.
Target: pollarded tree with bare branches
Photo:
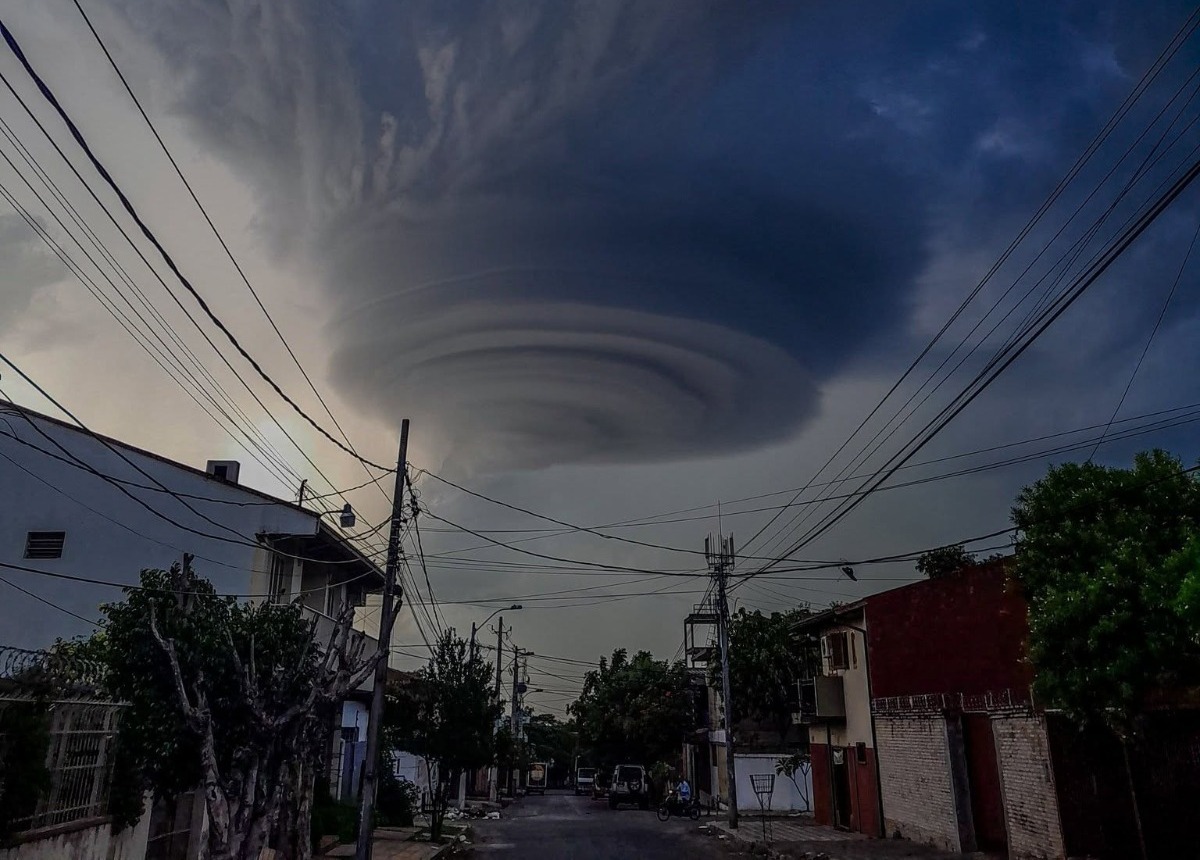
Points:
(237, 698)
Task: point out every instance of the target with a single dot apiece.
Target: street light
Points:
(346, 517)
(475, 627)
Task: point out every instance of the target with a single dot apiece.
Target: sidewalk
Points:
(799, 837)
(395, 843)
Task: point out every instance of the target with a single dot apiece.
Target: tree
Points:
(235, 697)
(944, 561)
(635, 711)
(550, 739)
(765, 663)
(445, 714)
(1107, 560)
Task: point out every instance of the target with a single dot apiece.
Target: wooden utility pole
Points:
(366, 803)
(720, 559)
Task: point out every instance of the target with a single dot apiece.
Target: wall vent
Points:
(44, 544)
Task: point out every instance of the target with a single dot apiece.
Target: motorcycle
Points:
(673, 805)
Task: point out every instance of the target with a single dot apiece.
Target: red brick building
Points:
(965, 758)
(922, 724)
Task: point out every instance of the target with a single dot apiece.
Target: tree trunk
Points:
(305, 787)
(1137, 815)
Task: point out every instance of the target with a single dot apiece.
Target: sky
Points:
(618, 259)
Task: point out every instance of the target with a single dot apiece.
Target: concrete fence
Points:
(786, 797)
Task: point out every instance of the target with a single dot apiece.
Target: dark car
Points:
(629, 785)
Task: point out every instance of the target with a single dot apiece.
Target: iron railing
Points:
(941, 703)
(58, 689)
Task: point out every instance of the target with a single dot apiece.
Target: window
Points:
(837, 650)
(860, 752)
(44, 544)
(333, 599)
(280, 586)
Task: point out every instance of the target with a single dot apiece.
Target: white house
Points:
(77, 508)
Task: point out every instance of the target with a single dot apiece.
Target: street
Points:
(559, 826)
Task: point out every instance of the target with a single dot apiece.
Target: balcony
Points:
(324, 630)
(822, 699)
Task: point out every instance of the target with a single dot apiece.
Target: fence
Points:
(940, 703)
(786, 795)
(56, 740)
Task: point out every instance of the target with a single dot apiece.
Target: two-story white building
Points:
(77, 508)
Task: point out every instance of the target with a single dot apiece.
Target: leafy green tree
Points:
(765, 662)
(944, 561)
(234, 697)
(634, 711)
(550, 739)
(1107, 558)
(445, 714)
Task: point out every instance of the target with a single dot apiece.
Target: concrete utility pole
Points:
(499, 654)
(720, 560)
(366, 801)
(512, 720)
(494, 770)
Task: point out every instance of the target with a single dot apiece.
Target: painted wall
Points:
(964, 633)
(822, 791)
(786, 797)
(93, 842)
(111, 536)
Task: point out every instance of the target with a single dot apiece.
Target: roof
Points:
(829, 617)
(109, 440)
(321, 530)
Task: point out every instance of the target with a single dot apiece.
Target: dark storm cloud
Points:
(573, 232)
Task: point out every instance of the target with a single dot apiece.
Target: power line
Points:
(48, 94)
(229, 253)
(240, 539)
(1181, 36)
(1150, 340)
(159, 278)
(49, 603)
(988, 375)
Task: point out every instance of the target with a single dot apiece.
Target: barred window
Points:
(79, 761)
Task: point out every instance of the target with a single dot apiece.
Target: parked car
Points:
(535, 780)
(630, 784)
(600, 782)
(585, 778)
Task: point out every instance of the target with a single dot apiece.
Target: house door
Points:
(841, 788)
(983, 775)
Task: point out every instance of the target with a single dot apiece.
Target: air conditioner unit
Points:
(822, 698)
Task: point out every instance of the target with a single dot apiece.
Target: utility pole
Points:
(512, 721)
(494, 770)
(366, 802)
(720, 560)
(499, 655)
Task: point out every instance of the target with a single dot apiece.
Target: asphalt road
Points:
(560, 826)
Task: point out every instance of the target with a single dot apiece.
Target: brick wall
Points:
(918, 791)
(964, 633)
(1027, 781)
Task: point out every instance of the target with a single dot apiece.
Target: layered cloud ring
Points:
(520, 385)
